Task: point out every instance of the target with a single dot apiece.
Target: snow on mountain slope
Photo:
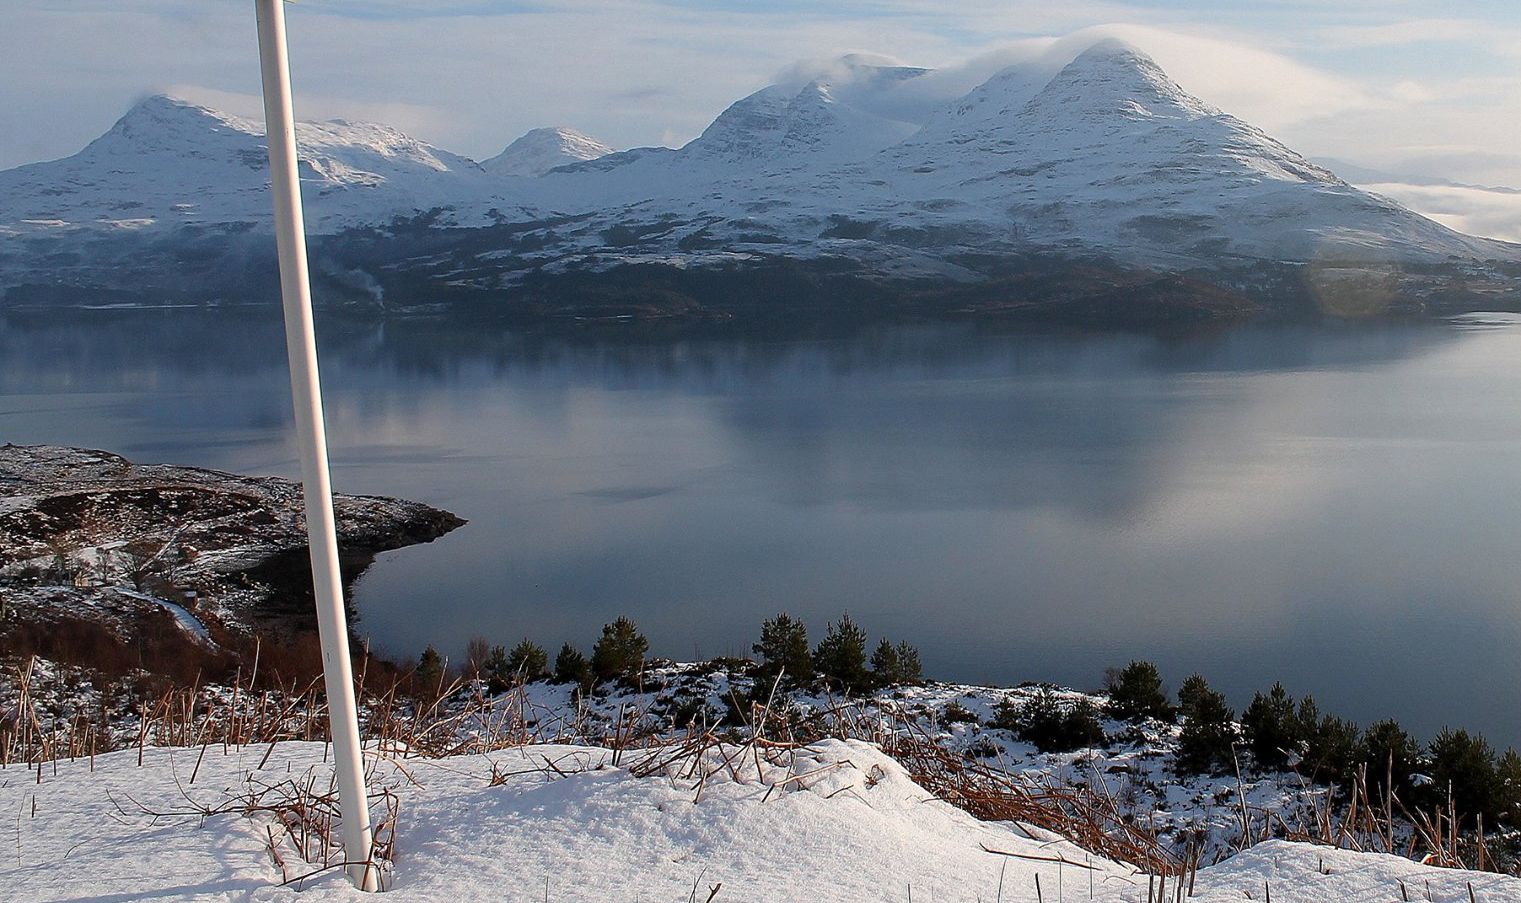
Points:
(820, 127)
(1474, 209)
(1493, 210)
(168, 161)
(1112, 154)
(1109, 156)
(824, 121)
(748, 130)
(541, 150)
(763, 152)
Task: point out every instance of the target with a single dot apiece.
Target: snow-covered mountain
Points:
(820, 123)
(1111, 153)
(169, 162)
(541, 150)
(1107, 158)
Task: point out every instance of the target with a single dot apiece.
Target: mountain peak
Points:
(165, 125)
(160, 113)
(162, 104)
(542, 149)
(1115, 49)
(1113, 77)
(747, 128)
(1105, 153)
(783, 127)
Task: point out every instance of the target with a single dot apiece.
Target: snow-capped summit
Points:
(365, 152)
(1111, 154)
(1115, 78)
(828, 119)
(986, 109)
(1112, 92)
(169, 161)
(540, 150)
(820, 126)
(748, 129)
(166, 124)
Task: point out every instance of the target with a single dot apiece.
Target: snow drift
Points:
(842, 823)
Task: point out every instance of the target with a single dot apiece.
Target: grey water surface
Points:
(1334, 506)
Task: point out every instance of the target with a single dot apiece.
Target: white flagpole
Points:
(306, 393)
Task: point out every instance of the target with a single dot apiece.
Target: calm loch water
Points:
(1336, 507)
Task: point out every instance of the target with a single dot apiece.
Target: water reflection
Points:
(1328, 506)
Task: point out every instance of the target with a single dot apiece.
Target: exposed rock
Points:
(92, 538)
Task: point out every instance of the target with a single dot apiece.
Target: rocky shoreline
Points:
(97, 550)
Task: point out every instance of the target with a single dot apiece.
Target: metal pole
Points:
(306, 394)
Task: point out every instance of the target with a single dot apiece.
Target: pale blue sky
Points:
(1427, 88)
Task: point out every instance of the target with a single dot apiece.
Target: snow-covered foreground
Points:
(840, 821)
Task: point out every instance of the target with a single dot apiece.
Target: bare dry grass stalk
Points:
(454, 722)
(1381, 822)
(303, 822)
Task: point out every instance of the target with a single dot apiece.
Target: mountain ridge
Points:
(1107, 159)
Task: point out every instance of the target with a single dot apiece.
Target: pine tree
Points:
(1465, 763)
(783, 649)
(1329, 743)
(496, 672)
(841, 656)
(571, 667)
(909, 669)
(1193, 691)
(620, 651)
(1136, 693)
(884, 664)
(1049, 724)
(1508, 788)
(428, 678)
(1389, 752)
(898, 665)
(528, 660)
(1272, 728)
(1206, 743)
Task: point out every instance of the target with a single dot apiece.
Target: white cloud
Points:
(1463, 131)
(1490, 212)
(1403, 33)
(1412, 92)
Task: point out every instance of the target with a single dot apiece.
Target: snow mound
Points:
(840, 821)
(843, 822)
(1298, 871)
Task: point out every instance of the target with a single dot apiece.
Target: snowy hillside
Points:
(541, 150)
(169, 162)
(836, 821)
(1111, 152)
(821, 123)
(845, 168)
